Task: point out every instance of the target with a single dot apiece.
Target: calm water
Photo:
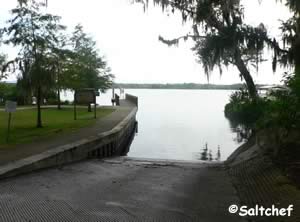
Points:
(177, 124)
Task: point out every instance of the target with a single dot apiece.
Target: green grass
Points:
(23, 124)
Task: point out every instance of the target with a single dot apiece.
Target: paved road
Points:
(121, 189)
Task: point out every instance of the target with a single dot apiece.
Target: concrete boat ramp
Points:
(38, 183)
(121, 189)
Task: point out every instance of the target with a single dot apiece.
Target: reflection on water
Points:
(241, 131)
(129, 140)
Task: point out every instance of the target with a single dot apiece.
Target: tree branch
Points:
(274, 44)
(176, 40)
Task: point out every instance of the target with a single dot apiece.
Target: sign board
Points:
(85, 96)
(10, 106)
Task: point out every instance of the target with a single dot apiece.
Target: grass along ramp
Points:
(23, 123)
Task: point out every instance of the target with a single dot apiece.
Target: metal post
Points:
(95, 108)
(75, 114)
(113, 95)
(8, 127)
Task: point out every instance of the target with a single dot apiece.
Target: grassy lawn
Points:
(23, 124)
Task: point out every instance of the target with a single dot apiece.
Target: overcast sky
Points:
(128, 38)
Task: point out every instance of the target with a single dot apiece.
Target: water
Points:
(180, 124)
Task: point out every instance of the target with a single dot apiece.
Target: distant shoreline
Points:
(184, 86)
(175, 88)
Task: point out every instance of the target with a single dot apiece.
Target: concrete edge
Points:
(241, 149)
(71, 152)
(162, 162)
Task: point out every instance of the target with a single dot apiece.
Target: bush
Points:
(67, 102)
(8, 91)
(242, 110)
(276, 121)
(284, 111)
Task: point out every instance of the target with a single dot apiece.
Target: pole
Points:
(75, 114)
(8, 127)
(95, 107)
(113, 95)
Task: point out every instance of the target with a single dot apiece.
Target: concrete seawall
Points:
(132, 99)
(114, 142)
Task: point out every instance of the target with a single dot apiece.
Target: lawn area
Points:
(23, 124)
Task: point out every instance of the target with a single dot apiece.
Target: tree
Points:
(2, 66)
(27, 1)
(62, 62)
(87, 68)
(291, 36)
(221, 36)
(2, 61)
(35, 33)
(289, 55)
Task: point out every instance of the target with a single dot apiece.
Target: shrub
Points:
(242, 110)
(8, 91)
(284, 111)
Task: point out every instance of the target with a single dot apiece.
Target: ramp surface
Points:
(121, 189)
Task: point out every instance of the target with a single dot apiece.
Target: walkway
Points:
(104, 124)
(121, 189)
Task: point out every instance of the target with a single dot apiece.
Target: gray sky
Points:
(128, 38)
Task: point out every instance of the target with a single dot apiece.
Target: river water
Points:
(179, 124)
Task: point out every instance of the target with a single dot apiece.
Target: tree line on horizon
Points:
(236, 86)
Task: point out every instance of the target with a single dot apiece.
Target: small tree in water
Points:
(204, 154)
(218, 154)
(210, 156)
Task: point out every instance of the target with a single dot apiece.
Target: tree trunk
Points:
(90, 108)
(58, 99)
(296, 54)
(38, 102)
(246, 76)
(58, 89)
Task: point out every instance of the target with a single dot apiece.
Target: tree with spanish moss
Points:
(2, 66)
(2, 61)
(221, 36)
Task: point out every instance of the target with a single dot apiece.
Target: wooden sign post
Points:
(10, 107)
(85, 97)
